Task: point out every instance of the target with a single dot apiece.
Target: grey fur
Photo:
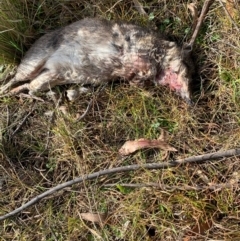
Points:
(94, 51)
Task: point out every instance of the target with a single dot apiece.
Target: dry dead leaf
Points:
(63, 109)
(94, 217)
(162, 136)
(130, 147)
(199, 229)
(231, 8)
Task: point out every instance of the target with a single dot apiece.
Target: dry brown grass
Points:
(45, 151)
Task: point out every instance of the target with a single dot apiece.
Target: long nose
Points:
(189, 101)
(185, 94)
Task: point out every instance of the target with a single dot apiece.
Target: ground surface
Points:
(39, 151)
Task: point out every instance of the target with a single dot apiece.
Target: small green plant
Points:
(123, 190)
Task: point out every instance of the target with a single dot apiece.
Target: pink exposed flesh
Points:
(169, 77)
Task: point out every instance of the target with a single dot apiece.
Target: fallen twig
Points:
(204, 11)
(21, 123)
(213, 187)
(85, 112)
(139, 7)
(90, 103)
(194, 159)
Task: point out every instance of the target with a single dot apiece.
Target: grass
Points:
(46, 151)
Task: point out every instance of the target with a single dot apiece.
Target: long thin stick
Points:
(163, 165)
(139, 7)
(204, 11)
(214, 187)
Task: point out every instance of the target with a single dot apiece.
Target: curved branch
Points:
(200, 20)
(214, 187)
(194, 159)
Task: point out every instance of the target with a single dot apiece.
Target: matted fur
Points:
(94, 51)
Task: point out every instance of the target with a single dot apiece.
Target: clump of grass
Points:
(47, 150)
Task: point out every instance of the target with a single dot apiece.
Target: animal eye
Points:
(115, 35)
(118, 47)
(127, 38)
